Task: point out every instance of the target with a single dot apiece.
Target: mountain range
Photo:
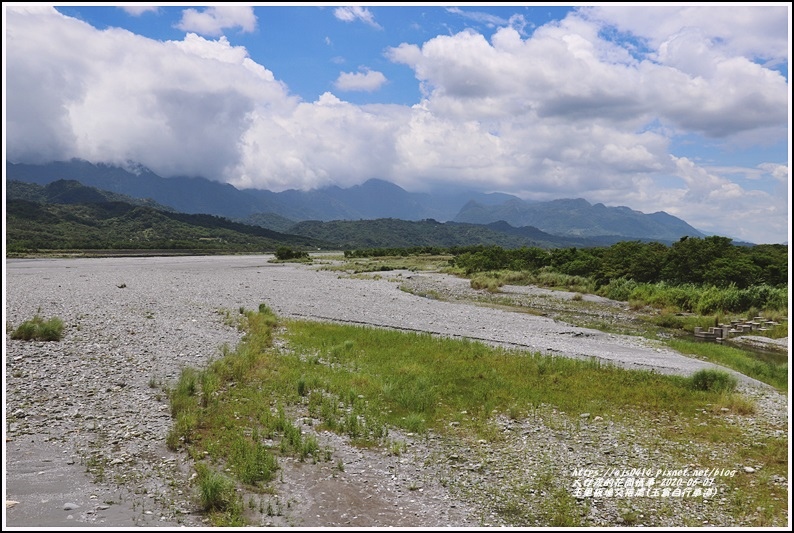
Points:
(569, 220)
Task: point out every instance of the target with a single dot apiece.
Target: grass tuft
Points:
(39, 329)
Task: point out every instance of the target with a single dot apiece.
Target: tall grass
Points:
(407, 377)
(701, 299)
(775, 374)
(218, 497)
(361, 382)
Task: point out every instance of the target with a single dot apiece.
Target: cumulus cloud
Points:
(137, 11)
(568, 70)
(213, 20)
(368, 80)
(126, 97)
(328, 141)
(710, 201)
(564, 112)
(749, 31)
(354, 13)
(777, 171)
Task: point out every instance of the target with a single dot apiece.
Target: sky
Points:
(681, 108)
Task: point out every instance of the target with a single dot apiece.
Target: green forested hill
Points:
(71, 192)
(65, 214)
(395, 233)
(119, 225)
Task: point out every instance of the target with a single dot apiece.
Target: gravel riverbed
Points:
(91, 403)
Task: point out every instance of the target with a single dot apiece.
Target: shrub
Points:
(618, 289)
(713, 381)
(284, 253)
(39, 329)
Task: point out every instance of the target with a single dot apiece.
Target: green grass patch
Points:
(775, 374)
(218, 497)
(39, 329)
(713, 380)
(414, 263)
(243, 412)
(415, 381)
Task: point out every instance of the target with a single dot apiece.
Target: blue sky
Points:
(658, 107)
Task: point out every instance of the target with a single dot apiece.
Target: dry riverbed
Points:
(86, 418)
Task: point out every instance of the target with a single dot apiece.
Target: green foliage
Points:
(702, 299)
(394, 252)
(485, 282)
(482, 259)
(284, 253)
(251, 460)
(620, 289)
(772, 371)
(39, 329)
(709, 380)
(361, 381)
(122, 226)
(616, 270)
(216, 491)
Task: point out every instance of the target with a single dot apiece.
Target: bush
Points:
(39, 329)
(284, 253)
(485, 282)
(619, 289)
(713, 381)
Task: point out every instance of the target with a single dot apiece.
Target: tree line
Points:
(708, 261)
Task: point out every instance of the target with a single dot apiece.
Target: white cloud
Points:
(777, 171)
(213, 20)
(325, 142)
(137, 11)
(757, 31)
(563, 113)
(567, 70)
(354, 13)
(479, 16)
(369, 80)
(125, 97)
(711, 202)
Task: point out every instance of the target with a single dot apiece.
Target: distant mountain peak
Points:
(576, 217)
(373, 199)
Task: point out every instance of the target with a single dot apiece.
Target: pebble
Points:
(95, 383)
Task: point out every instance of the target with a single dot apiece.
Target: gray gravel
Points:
(92, 401)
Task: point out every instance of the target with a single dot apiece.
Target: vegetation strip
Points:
(237, 416)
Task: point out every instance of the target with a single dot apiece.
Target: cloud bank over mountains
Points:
(597, 105)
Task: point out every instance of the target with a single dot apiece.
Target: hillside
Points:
(119, 225)
(72, 192)
(578, 218)
(65, 214)
(372, 200)
(395, 233)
